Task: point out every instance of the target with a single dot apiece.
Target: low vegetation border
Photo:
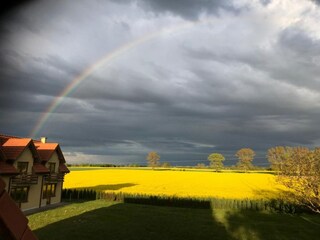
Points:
(273, 205)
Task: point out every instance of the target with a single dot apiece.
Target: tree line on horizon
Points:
(245, 156)
(297, 168)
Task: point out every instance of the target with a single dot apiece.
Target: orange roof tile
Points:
(45, 150)
(4, 138)
(46, 146)
(13, 147)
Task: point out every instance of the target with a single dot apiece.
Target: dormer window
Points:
(22, 167)
(52, 167)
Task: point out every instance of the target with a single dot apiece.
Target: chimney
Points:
(43, 139)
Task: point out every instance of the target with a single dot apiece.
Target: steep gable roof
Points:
(6, 168)
(14, 147)
(11, 147)
(2, 155)
(63, 168)
(45, 150)
(39, 168)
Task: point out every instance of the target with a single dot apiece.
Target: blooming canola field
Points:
(177, 183)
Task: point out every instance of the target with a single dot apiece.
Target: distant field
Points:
(251, 185)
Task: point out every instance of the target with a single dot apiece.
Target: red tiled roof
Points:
(6, 168)
(4, 138)
(63, 168)
(14, 147)
(45, 155)
(45, 146)
(39, 168)
(2, 155)
(45, 150)
(11, 147)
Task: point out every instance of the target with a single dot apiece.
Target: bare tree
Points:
(300, 172)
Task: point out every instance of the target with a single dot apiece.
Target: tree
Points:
(300, 172)
(200, 165)
(245, 156)
(153, 159)
(216, 161)
(166, 165)
(277, 156)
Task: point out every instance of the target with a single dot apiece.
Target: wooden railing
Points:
(54, 178)
(25, 179)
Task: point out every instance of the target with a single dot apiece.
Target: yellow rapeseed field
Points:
(177, 183)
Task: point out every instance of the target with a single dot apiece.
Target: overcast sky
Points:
(207, 76)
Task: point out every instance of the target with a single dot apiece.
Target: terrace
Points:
(54, 178)
(24, 180)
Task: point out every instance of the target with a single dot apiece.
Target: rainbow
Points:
(102, 62)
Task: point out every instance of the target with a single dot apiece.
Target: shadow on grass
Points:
(271, 226)
(139, 222)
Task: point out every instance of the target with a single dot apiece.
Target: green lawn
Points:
(110, 220)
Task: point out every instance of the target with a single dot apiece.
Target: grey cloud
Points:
(30, 83)
(265, 2)
(188, 9)
(299, 42)
(211, 88)
(295, 58)
(316, 1)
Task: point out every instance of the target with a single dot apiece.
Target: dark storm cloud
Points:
(188, 8)
(10, 5)
(240, 80)
(31, 83)
(298, 63)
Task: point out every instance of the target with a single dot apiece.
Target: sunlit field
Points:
(177, 183)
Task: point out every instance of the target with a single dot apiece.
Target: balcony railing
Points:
(25, 179)
(54, 178)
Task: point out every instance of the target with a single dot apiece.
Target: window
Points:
(19, 194)
(22, 167)
(49, 190)
(52, 167)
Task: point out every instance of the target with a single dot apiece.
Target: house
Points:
(13, 223)
(52, 158)
(33, 171)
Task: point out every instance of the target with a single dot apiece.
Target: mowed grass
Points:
(100, 219)
(202, 184)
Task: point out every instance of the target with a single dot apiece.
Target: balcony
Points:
(24, 180)
(54, 178)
